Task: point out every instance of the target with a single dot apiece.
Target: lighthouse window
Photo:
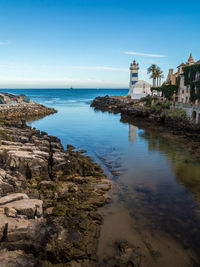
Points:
(134, 75)
(133, 82)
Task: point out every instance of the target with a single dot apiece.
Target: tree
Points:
(152, 70)
(156, 74)
(159, 75)
(168, 90)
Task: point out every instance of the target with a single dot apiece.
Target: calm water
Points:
(155, 197)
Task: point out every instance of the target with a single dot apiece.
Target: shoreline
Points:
(181, 128)
(188, 140)
(49, 198)
(31, 109)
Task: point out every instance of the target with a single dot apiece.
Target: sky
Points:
(90, 43)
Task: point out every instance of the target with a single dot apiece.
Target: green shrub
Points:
(165, 105)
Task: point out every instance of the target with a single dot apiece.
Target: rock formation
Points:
(49, 199)
(27, 110)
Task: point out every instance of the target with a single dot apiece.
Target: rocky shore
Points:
(172, 123)
(49, 199)
(173, 118)
(25, 110)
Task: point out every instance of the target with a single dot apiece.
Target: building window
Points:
(133, 82)
(197, 76)
(182, 91)
(134, 75)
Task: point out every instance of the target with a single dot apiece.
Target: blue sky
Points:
(63, 43)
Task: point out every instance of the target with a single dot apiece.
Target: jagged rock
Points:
(66, 183)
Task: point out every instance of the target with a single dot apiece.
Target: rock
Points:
(130, 110)
(125, 255)
(66, 185)
(18, 229)
(105, 186)
(5, 188)
(47, 185)
(17, 258)
(25, 110)
(10, 212)
(70, 147)
(13, 197)
(27, 207)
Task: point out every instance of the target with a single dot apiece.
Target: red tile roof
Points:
(197, 62)
(182, 64)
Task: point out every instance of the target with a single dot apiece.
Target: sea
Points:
(155, 197)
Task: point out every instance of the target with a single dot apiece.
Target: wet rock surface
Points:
(49, 199)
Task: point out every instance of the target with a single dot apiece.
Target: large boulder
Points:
(12, 197)
(28, 207)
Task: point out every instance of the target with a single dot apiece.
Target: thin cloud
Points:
(100, 68)
(143, 54)
(5, 43)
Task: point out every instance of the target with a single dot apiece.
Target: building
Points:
(186, 94)
(172, 77)
(185, 90)
(137, 88)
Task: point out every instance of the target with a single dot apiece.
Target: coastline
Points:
(49, 197)
(31, 109)
(173, 124)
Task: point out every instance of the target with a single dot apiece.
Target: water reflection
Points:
(132, 133)
(158, 203)
(185, 167)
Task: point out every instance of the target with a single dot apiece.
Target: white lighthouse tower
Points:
(134, 68)
(137, 88)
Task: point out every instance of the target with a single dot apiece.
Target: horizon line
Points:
(46, 88)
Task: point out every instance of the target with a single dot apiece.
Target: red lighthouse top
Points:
(134, 63)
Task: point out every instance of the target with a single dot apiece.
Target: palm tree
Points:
(159, 75)
(152, 70)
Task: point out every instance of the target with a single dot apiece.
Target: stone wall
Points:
(192, 111)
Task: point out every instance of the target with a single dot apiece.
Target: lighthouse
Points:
(134, 68)
(137, 88)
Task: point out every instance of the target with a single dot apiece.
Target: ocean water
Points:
(156, 183)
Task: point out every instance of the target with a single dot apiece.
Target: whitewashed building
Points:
(137, 88)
